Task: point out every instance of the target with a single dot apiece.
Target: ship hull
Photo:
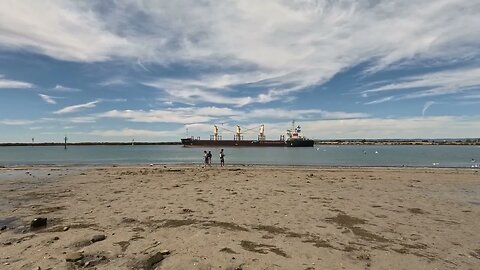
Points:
(300, 143)
(244, 143)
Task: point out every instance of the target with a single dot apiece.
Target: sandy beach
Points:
(239, 217)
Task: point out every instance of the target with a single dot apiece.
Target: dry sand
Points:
(240, 218)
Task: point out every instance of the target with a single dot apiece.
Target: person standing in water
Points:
(222, 158)
(209, 156)
(205, 158)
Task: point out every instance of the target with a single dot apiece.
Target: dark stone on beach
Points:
(38, 223)
(74, 256)
(3, 228)
(152, 260)
(66, 228)
(98, 238)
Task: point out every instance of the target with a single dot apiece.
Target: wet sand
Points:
(240, 217)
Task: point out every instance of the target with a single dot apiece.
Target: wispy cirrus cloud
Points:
(128, 132)
(236, 38)
(13, 84)
(428, 85)
(174, 115)
(116, 81)
(198, 115)
(427, 105)
(64, 30)
(48, 121)
(401, 127)
(194, 95)
(16, 122)
(48, 99)
(299, 114)
(81, 119)
(78, 107)
(62, 88)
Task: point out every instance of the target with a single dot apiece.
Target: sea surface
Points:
(346, 155)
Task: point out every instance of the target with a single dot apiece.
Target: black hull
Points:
(189, 142)
(300, 143)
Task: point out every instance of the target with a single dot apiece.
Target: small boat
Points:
(293, 138)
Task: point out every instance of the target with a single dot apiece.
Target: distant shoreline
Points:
(470, 142)
(91, 144)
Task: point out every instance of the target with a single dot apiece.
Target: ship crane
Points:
(261, 135)
(215, 132)
(239, 132)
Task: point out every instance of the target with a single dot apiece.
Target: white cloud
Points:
(113, 82)
(299, 114)
(12, 84)
(78, 107)
(16, 122)
(130, 133)
(35, 128)
(205, 116)
(66, 30)
(299, 44)
(48, 99)
(81, 119)
(113, 99)
(416, 127)
(62, 88)
(427, 105)
(152, 116)
(177, 115)
(186, 94)
(381, 100)
(431, 84)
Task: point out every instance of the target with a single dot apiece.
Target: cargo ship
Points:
(293, 138)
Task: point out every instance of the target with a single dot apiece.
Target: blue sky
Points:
(148, 70)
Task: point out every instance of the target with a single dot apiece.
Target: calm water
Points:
(440, 156)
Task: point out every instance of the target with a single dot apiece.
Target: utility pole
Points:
(65, 142)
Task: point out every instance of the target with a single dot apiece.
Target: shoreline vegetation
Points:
(459, 141)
